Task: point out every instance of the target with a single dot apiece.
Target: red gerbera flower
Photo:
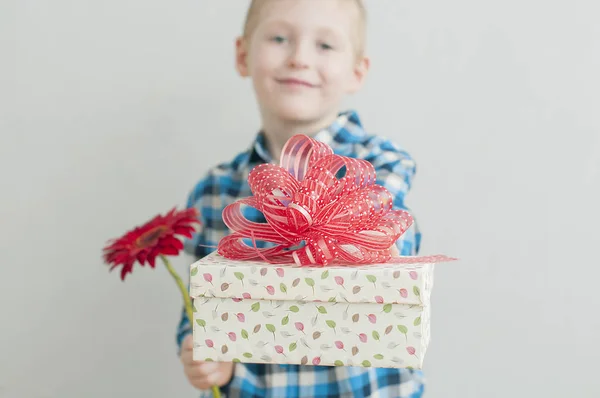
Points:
(155, 238)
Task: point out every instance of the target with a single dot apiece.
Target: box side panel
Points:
(350, 334)
(215, 276)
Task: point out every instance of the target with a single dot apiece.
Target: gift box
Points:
(326, 289)
(250, 311)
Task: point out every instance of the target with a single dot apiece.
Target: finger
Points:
(188, 343)
(207, 381)
(205, 370)
(193, 371)
(202, 383)
(188, 361)
(202, 374)
(193, 374)
(197, 369)
(187, 358)
(208, 368)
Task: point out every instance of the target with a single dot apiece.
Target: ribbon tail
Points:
(433, 259)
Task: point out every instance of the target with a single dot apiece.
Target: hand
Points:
(203, 375)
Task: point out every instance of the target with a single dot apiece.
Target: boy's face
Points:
(302, 57)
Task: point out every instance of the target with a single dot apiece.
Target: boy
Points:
(304, 57)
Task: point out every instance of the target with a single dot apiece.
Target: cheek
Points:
(337, 73)
(265, 60)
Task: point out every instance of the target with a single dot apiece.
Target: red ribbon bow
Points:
(347, 220)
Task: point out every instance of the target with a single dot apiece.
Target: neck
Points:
(278, 131)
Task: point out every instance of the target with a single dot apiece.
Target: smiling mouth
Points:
(295, 82)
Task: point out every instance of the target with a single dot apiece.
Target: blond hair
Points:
(256, 5)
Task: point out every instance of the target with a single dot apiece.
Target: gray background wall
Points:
(105, 112)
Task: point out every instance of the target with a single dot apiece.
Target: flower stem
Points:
(188, 305)
(184, 292)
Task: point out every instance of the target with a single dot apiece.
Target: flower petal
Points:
(141, 256)
(155, 237)
(172, 241)
(186, 231)
(169, 250)
(152, 257)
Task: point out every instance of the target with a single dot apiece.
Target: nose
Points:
(299, 56)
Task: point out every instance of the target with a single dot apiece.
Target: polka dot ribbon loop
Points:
(314, 216)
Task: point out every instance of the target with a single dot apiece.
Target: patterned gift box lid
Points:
(217, 276)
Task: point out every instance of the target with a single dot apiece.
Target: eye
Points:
(278, 39)
(325, 46)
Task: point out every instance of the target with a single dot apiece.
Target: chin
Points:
(297, 114)
(306, 110)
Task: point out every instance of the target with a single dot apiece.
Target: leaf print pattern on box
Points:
(202, 323)
(377, 283)
(372, 279)
(376, 315)
(310, 282)
(299, 326)
(239, 276)
(368, 337)
(271, 328)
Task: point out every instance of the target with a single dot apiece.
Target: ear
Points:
(241, 56)
(360, 73)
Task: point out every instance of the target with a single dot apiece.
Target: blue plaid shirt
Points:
(226, 183)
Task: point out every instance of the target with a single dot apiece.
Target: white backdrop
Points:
(106, 113)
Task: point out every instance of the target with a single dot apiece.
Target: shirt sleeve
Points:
(396, 170)
(191, 248)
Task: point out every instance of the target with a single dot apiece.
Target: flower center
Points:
(150, 238)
